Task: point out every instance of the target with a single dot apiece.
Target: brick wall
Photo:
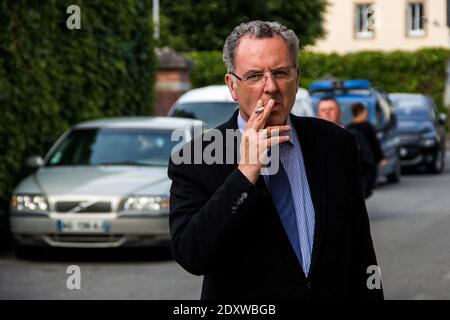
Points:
(172, 79)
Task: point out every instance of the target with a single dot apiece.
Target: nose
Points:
(270, 85)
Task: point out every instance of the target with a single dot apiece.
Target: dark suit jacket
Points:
(227, 229)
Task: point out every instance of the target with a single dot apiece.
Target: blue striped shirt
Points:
(292, 159)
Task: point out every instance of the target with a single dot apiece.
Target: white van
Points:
(214, 105)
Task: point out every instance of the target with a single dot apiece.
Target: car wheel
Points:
(395, 176)
(438, 164)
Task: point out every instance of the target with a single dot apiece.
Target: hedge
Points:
(421, 71)
(52, 77)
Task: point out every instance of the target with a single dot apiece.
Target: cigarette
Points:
(259, 110)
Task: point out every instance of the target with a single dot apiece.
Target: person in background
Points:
(372, 155)
(328, 109)
(361, 123)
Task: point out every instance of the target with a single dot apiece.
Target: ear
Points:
(231, 84)
(298, 78)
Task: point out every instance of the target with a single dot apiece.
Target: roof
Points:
(331, 85)
(219, 93)
(214, 93)
(139, 122)
(169, 59)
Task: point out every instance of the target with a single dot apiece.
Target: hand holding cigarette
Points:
(257, 139)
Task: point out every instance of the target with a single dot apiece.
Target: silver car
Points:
(103, 184)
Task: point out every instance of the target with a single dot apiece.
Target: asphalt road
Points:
(410, 227)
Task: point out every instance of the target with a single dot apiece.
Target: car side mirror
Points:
(34, 162)
(442, 119)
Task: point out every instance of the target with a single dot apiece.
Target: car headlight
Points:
(145, 203)
(427, 142)
(29, 202)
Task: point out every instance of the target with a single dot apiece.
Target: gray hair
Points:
(258, 29)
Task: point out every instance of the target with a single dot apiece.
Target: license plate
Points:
(82, 226)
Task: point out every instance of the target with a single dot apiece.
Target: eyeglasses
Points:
(255, 79)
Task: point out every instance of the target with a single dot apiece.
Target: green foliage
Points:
(52, 77)
(204, 24)
(208, 68)
(422, 71)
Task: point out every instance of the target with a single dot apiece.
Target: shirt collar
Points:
(242, 123)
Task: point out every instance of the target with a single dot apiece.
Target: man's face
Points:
(263, 55)
(365, 115)
(329, 110)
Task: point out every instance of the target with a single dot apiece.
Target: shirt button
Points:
(244, 195)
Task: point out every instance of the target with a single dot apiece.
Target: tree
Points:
(204, 24)
(52, 77)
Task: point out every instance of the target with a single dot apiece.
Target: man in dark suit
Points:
(301, 232)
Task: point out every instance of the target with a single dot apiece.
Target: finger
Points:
(246, 149)
(254, 115)
(265, 114)
(277, 140)
(281, 128)
(268, 132)
(273, 129)
(263, 134)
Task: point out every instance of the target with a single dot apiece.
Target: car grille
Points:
(86, 238)
(83, 206)
(84, 241)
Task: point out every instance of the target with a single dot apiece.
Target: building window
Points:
(415, 19)
(365, 21)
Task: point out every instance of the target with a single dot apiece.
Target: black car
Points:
(421, 129)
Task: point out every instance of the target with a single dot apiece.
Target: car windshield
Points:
(346, 111)
(212, 113)
(114, 146)
(409, 109)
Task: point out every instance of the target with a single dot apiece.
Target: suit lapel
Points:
(315, 166)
